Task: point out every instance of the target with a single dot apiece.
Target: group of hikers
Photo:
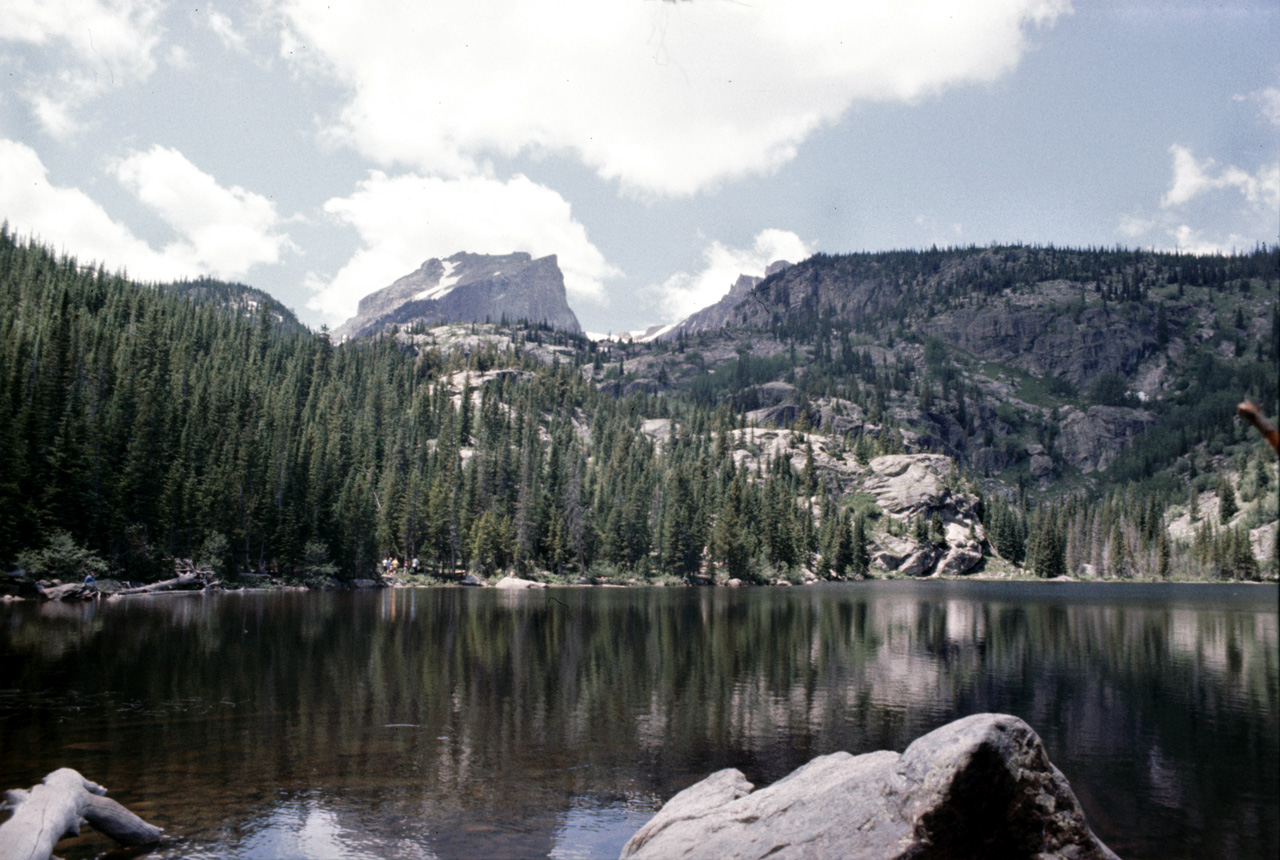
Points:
(392, 565)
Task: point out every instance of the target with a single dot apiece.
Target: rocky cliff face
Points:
(1092, 438)
(469, 288)
(1076, 347)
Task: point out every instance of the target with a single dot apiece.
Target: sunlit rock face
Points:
(469, 288)
(910, 487)
(979, 787)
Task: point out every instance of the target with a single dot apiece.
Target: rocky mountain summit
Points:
(716, 316)
(468, 288)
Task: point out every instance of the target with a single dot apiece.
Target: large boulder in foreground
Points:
(979, 787)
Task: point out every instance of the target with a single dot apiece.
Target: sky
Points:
(660, 148)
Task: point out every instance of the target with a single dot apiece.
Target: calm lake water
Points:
(425, 723)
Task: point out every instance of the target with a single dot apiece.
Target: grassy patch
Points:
(865, 504)
(1044, 391)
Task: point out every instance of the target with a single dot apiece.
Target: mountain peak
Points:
(468, 287)
(714, 316)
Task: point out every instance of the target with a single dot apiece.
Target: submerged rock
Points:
(981, 786)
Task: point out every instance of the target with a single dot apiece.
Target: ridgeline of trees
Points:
(142, 424)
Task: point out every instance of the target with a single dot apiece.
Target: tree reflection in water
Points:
(451, 722)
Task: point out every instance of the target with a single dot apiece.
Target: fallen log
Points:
(53, 809)
(185, 581)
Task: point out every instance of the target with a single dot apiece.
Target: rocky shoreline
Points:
(116, 590)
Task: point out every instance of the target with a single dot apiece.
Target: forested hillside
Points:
(148, 426)
(141, 424)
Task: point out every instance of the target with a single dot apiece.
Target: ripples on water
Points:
(458, 723)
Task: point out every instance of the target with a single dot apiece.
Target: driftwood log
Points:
(54, 809)
(184, 582)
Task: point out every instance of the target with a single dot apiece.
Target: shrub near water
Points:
(62, 559)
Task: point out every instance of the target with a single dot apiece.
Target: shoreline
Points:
(110, 594)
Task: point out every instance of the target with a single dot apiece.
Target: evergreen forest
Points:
(140, 424)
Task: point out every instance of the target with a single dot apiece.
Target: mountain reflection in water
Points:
(448, 723)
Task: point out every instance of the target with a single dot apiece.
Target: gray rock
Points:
(1075, 347)
(782, 415)
(1041, 466)
(960, 559)
(919, 486)
(515, 583)
(909, 484)
(886, 560)
(990, 460)
(774, 393)
(920, 562)
(979, 787)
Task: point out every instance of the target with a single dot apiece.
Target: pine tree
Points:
(1227, 506)
(859, 558)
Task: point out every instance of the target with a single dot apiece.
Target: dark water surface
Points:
(466, 723)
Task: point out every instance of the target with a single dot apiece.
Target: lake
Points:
(449, 722)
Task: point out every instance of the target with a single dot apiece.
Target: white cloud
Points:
(226, 32)
(224, 231)
(1234, 208)
(1135, 226)
(1268, 101)
(666, 98)
(404, 220)
(1192, 241)
(72, 220)
(683, 293)
(1192, 178)
(178, 57)
(90, 45)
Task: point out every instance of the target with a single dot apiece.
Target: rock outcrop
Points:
(914, 487)
(910, 484)
(979, 787)
(515, 583)
(469, 288)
